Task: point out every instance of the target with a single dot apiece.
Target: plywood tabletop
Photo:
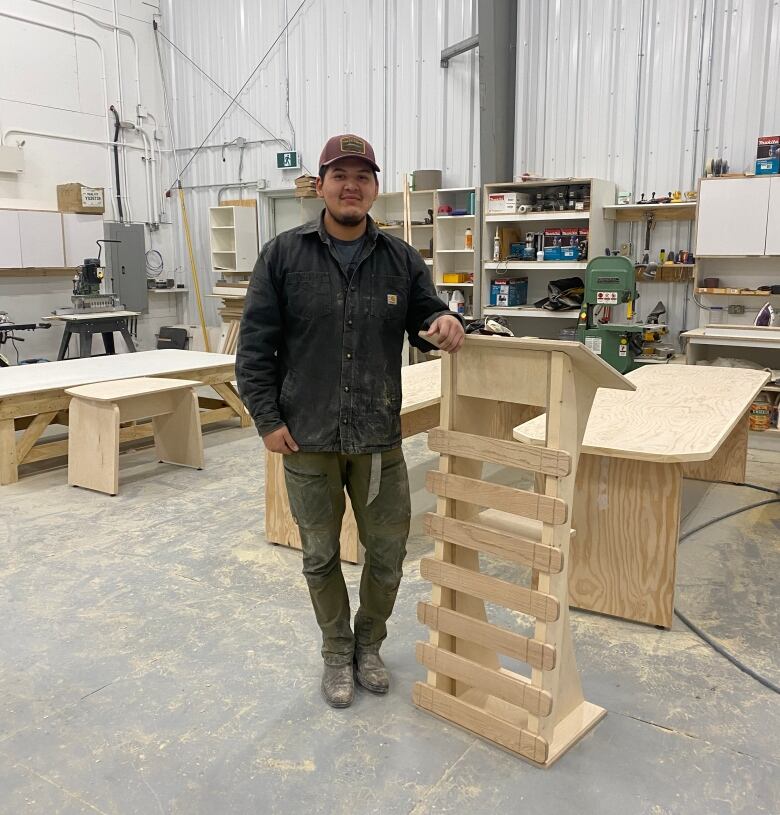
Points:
(421, 385)
(118, 389)
(677, 413)
(69, 373)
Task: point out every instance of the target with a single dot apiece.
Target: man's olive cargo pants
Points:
(315, 487)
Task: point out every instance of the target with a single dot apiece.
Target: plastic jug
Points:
(457, 302)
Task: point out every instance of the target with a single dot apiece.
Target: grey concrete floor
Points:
(158, 656)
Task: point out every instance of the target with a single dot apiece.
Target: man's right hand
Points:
(280, 441)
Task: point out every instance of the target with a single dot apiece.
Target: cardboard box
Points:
(506, 202)
(506, 237)
(80, 199)
(768, 147)
(509, 292)
(767, 166)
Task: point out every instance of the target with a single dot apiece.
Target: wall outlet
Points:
(735, 308)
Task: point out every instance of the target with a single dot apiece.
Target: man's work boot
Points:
(338, 687)
(371, 672)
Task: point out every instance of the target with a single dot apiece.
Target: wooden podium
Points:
(488, 383)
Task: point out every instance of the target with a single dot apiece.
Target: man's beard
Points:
(346, 220)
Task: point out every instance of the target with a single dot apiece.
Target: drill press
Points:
(610, 282)
(86, 286)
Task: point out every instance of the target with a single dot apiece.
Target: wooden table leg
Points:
(624, 554)
(8, 463)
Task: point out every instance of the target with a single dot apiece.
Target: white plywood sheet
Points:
(41, 238)
(98, 315)
(677, 413)
(69, 373)
(80, 233)
(10, 242)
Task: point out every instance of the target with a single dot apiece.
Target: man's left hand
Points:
(450, 332)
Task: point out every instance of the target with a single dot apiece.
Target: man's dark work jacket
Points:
(322, 353)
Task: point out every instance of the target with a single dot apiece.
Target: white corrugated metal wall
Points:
(366, 67)
(640, 92)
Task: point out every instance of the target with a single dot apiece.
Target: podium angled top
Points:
(588, 363)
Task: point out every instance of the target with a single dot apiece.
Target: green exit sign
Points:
(288, 161)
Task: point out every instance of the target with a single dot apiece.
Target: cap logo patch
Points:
(351, 144)
(392, 299)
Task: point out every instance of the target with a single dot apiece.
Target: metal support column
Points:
(497, 26)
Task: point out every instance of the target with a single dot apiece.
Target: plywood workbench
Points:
(421, 386)
(682, 421)
(33, 396)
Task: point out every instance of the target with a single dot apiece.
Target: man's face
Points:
(349, 190)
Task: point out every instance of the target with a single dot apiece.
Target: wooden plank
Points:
(511, 687)
(491, 589)
(537, 654)
(729, 463)
(477, 376)
(224, 414)
(496, 496)
(678, 413)
(572, 728)
(177, 435)
(120, 389)
(229, 394)
(418, 421)
(32, 434)
(478, 721)
(93, 446)
(494, 542)
(623, 560)
(556, 463)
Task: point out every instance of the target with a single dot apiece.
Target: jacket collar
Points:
(318, 226)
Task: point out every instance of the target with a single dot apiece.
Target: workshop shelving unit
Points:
(233, 241)
(451, 255)
(540, 273)
(737, 242)
(389, 212)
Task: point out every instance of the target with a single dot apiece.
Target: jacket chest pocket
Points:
(309, 294)
(390, 297)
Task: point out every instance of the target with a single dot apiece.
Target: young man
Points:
(319, 368)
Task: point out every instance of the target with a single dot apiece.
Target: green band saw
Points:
(610, 282)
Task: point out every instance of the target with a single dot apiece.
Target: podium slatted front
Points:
(489, 386)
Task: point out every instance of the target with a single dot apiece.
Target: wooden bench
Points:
(33, 398)
(97, 410)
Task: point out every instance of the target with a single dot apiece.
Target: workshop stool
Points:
(97, 410)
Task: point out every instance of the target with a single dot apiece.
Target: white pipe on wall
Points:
(71, 33)
(154, 214)
(103, 24)
(64, 137)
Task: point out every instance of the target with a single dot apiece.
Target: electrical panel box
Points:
(126, 264)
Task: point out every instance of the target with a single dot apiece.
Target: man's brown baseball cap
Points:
(348, 145)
